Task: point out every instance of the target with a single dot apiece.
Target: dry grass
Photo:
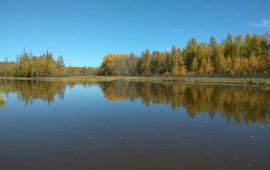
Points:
(199, 80)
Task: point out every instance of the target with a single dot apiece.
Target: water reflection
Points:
(2, 100)
(240, 104)
(28, 91)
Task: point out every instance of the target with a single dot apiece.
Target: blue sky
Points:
(83, 31)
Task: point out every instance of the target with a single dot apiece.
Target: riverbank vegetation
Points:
(261, 82)
(238, 56)
(45, 65)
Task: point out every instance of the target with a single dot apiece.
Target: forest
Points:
(234, 56)
(45, 65)
(239, 56)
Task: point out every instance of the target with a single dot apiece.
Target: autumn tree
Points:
(190, 52)
(212, 50)
(194, 66)
(114, 64)
(145, 63)
(253, 64)
(221, 63)
(238, 55)
(176, 55)
(228, 46)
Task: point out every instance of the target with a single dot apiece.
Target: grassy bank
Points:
(204, 80)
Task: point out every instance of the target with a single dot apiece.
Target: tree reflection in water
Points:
(235, 103)
(2, 100)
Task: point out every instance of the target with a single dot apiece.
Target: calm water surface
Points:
(133, 126)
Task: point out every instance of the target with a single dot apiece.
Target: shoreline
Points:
(196, 80)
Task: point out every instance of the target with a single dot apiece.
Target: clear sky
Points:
(83, 31)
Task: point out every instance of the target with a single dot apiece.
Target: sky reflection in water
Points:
(133, 125)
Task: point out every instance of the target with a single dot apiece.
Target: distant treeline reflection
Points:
(28, 91)
(2, 100)
(240, 104)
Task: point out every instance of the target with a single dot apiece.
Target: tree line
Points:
(235, 56)
(249, 55)
(45, 65)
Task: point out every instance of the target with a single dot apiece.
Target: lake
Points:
(125, 125)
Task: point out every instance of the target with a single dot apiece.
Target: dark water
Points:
(133, 126)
